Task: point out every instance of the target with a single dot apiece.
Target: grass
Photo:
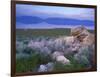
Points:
(42, 32)
(30, 63)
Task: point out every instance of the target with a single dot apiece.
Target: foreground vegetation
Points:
(29, 60)
(31, 64)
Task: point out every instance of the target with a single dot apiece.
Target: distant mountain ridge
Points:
(53, 20)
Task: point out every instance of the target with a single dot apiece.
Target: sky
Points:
(40, 17)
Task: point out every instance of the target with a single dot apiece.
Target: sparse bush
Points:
(85, 56)
(29, 51)
(21, 55)
(20, 46)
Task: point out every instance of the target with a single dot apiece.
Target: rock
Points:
(46, 67)
(59, 57)
(56, 53)
(62, 59)
(77, 30)
(83, 35)
(42, 68)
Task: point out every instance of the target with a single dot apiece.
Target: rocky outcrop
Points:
(83, 35)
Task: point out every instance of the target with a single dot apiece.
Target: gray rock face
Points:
(46, 67)
(56, 54)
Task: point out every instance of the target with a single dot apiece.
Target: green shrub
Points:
(30, 63)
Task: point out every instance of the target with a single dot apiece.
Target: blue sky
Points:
(38, 16)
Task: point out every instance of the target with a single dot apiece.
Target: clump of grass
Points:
(85, 56)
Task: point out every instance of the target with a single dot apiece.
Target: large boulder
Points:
(83, 35)
(62, 59)
(56, 54)
(59, 57)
